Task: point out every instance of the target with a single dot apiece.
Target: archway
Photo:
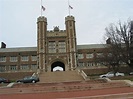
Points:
(57, 66)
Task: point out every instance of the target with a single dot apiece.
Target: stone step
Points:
(60, 76)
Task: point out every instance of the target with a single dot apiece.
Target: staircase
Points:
(60, 76)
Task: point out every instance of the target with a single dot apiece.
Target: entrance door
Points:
(57, 66)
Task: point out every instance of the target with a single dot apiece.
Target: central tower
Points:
(56, 48)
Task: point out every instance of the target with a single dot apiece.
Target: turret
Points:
(41, 41)
(71, 33)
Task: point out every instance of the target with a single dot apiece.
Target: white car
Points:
(131, 73)
(111, 74)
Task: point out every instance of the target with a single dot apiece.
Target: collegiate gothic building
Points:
(55, 48)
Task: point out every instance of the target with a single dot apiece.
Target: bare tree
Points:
(110, 57)
(120, 44)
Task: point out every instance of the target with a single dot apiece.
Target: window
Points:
(89, 55)
(24, 58)
(121, 62)
(13, 59)
(13, 67)
(24, 67)
(62, 46)
(100, 55)
(52, 47)
(2, 68)
(90, 64)
(98, 64)
(2, 59)
(80, 56)
(33, 66)
(70, 23)
(81, 64)
(34, 58)
(110, 55)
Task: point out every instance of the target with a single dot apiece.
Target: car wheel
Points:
(18, 82)
(104, 77)
(2, 82)
(33, 81)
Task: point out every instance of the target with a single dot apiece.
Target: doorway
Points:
(57, 66)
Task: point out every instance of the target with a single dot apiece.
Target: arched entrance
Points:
(57, 66)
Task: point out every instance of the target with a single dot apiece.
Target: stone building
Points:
(55, 48)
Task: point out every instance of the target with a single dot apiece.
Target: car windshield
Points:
(2, 78)
(111, 72)
(28, 77)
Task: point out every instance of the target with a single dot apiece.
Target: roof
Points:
(19, 49)
(26, 49)
(91, 46)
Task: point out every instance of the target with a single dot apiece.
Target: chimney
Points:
(108, 41)
(3, 45)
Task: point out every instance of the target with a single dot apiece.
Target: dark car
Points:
(3, 80)
(28, 79)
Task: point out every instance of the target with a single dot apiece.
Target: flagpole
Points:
(68, 8)
(41, 8)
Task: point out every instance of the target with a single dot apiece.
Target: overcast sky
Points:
(18, 18)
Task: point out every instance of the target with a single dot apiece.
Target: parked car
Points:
(28, 79)
(3, 80)
(131, 73)
(111, 74)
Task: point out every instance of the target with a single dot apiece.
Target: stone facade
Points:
(18, 59)
(54, 48)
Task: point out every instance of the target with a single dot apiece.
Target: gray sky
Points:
(18, 18)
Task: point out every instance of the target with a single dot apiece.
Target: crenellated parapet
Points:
(56, 45)
(56, 32)
(41, 18)
(61, 33)
(68, 18)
